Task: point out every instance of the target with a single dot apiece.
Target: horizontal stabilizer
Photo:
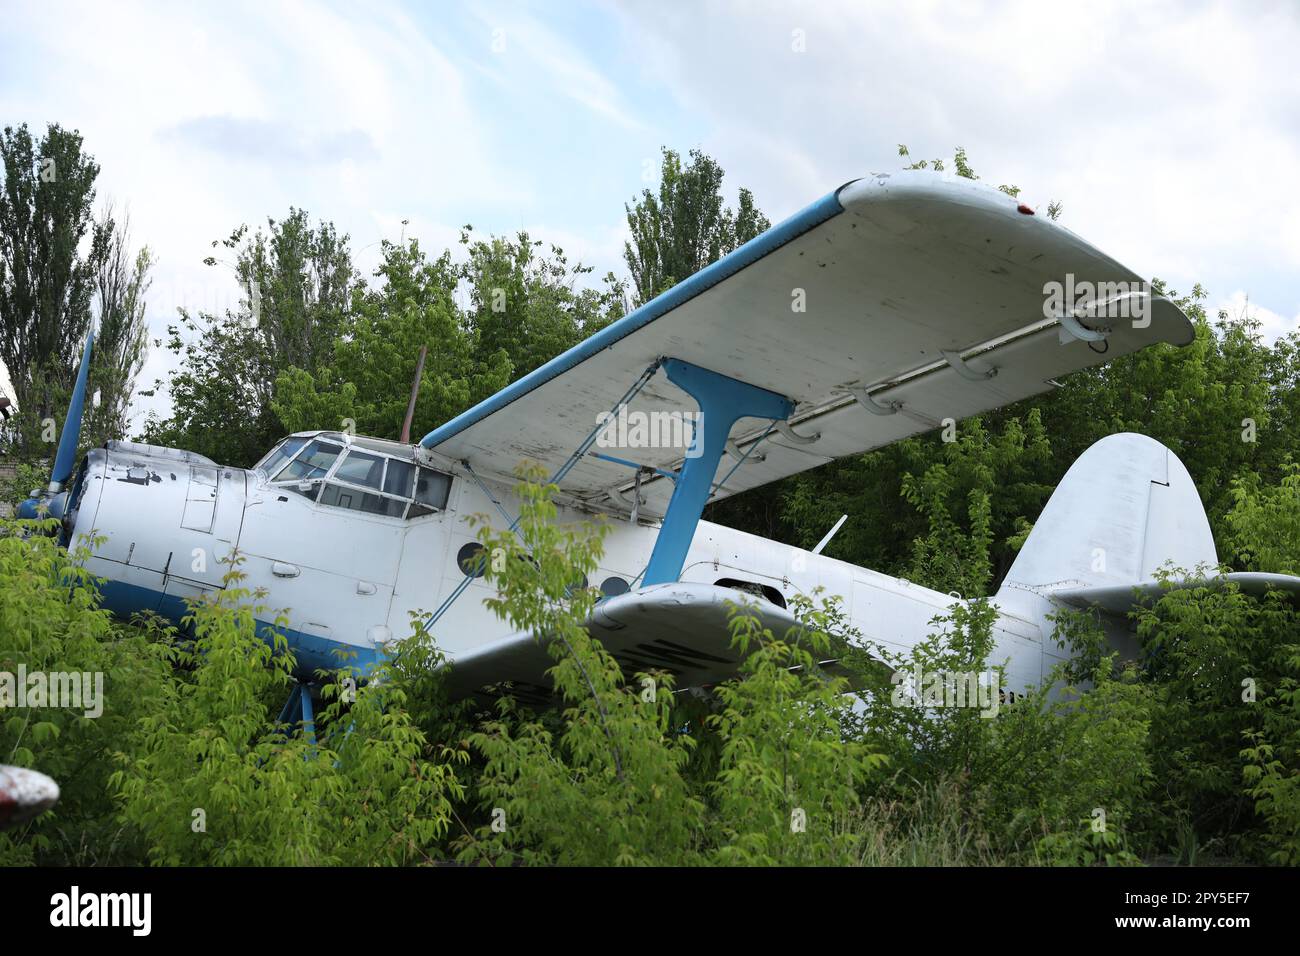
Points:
(1120, 599)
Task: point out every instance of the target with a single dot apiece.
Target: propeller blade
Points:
(66, 457)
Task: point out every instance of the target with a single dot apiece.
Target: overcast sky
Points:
(1170, 131)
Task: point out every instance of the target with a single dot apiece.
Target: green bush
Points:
(1189, 752)
(50, 622)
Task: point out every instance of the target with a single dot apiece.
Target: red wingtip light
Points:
(1026, 209)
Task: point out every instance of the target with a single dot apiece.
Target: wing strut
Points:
(722, 401)
(582, 449)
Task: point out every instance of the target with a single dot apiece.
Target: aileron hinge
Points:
(958, 365)
(788, 433)
(870, 404)
(734, 451)
(1076, 329)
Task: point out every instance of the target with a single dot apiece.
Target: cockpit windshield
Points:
(313, 462)
(356, 479)
(280, 454)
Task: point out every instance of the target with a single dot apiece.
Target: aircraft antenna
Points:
(415, 391)
(830, 534)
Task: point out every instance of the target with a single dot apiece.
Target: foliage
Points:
(604, 784)
(1221, 666)
(529, 306)
(685, 226)
(210, 778)
(297, 284)
(1264, 522)
(51, 623)
(523, 308)
(788, 778)
(1272, 759)
(216, 407)
(1035, 770)
(609, 779)
(121, 336)
(26, 478)
(46, 284)
(345, 359)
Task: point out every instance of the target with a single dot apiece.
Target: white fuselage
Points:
(348, 580)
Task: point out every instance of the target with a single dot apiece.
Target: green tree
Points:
(1218, 661)
(1263, 526)
(368, 379)
(610, 779)
(216, 405)
(297, 285)
(121, 334)
(685, 227)
(211, 779)
(46, 285)
(298, 280)
(528, 305)
(522, 309)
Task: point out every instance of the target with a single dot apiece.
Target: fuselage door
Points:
(201, 498)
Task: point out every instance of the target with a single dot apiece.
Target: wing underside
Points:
(895, 303)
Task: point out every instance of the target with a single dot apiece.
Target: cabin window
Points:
(398, 478)
(354, 499)
(614, 586)
(360, 468)
(432, 489)
(313, 462)
(472, 560)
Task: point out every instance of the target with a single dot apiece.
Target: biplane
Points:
(894, 306)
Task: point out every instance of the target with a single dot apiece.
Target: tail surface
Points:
(1125, 508)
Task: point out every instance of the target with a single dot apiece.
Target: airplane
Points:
(896, 305)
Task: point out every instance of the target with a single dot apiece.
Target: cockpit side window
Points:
(312, 463)
(360, 468)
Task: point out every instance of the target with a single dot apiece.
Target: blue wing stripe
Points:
(825, 208)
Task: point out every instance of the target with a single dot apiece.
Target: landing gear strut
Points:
(298, 710)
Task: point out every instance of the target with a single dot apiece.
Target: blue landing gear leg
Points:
(298, 710)
(722, 401)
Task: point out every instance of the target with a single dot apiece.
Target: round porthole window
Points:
(612, 587)
(471, 560)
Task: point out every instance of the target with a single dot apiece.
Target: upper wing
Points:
(904, 290)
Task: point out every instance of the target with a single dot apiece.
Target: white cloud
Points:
(1169, 131)
(203, 118)
(1272, 325)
